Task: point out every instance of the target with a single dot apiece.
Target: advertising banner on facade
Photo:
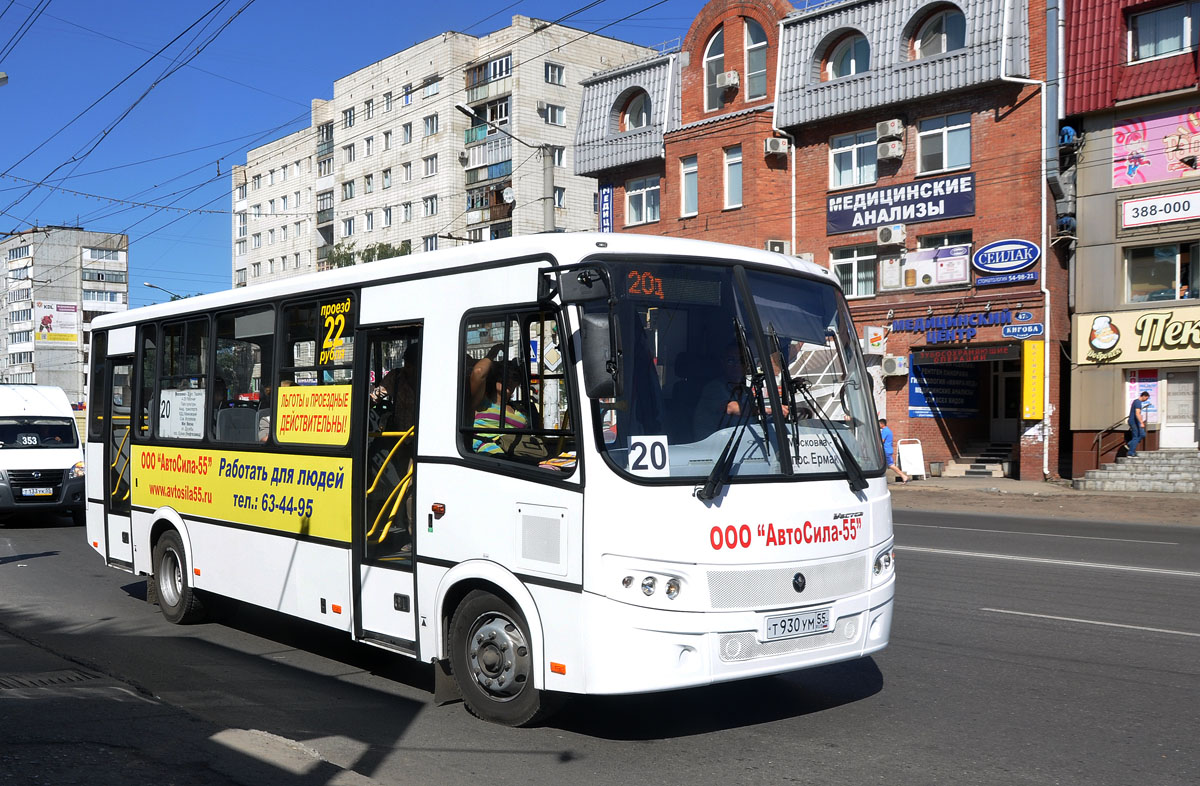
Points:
(606, 208)
(1154, 147)
(1164, 333)
(55, 325)
(926, 267)
(1033, 379)
(908, 203)
(943, 392)
(1139, 381)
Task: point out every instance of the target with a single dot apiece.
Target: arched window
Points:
(943, 32)
(851, 56)
(714, 66)
(637, 113)
(756, 61)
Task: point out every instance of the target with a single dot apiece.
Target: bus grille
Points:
(772, 587)
(20, 479)
(737, 647)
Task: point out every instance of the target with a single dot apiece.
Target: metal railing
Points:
(1098, 442)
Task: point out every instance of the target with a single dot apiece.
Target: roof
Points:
(599, 144)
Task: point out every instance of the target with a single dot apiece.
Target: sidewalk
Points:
(1041, 499)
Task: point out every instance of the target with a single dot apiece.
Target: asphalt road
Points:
(1022, 652)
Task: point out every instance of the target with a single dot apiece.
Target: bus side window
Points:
(142, 416)
(241, 400)
(516, 404)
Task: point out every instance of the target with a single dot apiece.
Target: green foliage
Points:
(341, 255)
(384, 251)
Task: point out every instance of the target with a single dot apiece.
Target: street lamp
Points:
(547, 166)
(174, 296)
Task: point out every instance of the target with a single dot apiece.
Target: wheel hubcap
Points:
(498, 656)
(170, 583)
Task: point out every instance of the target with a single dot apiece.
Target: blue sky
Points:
(173, 145)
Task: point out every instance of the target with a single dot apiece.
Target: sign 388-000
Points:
(1168, 208)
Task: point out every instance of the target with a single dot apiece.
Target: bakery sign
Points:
(1132, 336)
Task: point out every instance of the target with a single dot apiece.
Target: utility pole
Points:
(547, 153)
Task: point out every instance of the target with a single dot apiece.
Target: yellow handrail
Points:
(393, 500)
(403, 435)
(119, 448)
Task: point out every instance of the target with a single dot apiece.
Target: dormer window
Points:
(1160, 33)
(637, 113)
(714, 66)
(943, 32)
(851, 56)
(756, 61)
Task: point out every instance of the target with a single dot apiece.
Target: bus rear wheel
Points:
(493, 662)
(177, 598)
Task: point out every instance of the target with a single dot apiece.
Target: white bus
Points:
(685, 484)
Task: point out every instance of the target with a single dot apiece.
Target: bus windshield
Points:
(714, 366)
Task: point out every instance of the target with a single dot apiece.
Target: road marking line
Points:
(1093, 622)
(1042, 560)
(1039, 534)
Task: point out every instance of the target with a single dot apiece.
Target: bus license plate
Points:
(37, 492)
(789, 626)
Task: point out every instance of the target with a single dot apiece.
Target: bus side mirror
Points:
(583, 285)
(601, 347)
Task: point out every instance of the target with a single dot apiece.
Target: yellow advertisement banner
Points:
(317, 415)
(303, 495)
(1033, 384)
(1167, 332)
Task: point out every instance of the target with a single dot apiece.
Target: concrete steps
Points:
(1162, 470)
(981, 460)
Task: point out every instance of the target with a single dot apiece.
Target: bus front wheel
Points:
(176, 596)
(493, 662)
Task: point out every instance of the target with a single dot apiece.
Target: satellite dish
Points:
(508, 196)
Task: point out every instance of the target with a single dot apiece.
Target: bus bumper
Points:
(636, 650)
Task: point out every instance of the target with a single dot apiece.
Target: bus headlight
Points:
(77, 470)
(648, 585)
(672, 588)
(885, 564)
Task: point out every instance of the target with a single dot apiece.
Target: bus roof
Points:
(566, 248)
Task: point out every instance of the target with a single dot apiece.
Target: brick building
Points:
(1132, 94)
(900, 143)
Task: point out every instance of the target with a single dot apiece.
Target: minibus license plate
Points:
(789, 626)
(37, 492)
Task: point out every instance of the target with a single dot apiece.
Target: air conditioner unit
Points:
(727, 79)
(895, 365)
(774, 145)
(889, 151)
(891, 235)
(541, 106)
(889, 129)
(779, 246)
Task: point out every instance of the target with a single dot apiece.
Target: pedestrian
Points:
(1137, 422)
(889, 452)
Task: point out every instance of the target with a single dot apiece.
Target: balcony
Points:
(475, 134)
(325, 148)
(503, 169)
(325, 216)
(486, 90)
(323, 252)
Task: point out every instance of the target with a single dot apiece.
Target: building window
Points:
(387, 216)
(239, 248)
(347, 226)
(241, 226)
(255, 269)
(26, 336)
(431, 125)
(637, 113)
(110, 254)
(406, 170)
(500, 68)
(368, 109)
(105, 297)
(408, 94)
(944, 143)
(556, 115)
(852, 159)
(348, 117)
(387, 140)
(432, 88)
(559, 154)
(348, 154)
(270, 237)
(368, 184)
(497, 113)
(270, 266)
(271, 177)
(22, 252)
(257, 211)
(370, 222)
(429, 242)
(945, 239)
(325, 201)
(406, 133)
(387, 178)
(430, 165)
(852, 56)
(241, 191)
(256, 182)
(271, 207)
(256, 240)
(714, 66)
(560, 196)
(348, 190)
(283, 170)
(641, 201)
(1157, 273)
(283, 204)
(387, 102)
(756, 61)
(406, 210)
(555, 74)
(368, 146)
(1161, 32)
(689, 176)
(733, 177)
(325, 167)
(943, 32)
(429, 205)
(283, 233)
(855, 270)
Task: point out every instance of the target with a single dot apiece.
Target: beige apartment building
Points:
(393, 164)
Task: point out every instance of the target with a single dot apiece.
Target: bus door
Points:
(117, 470)
(384, 539)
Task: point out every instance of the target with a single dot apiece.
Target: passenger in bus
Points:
(497, 379)
(398, 388)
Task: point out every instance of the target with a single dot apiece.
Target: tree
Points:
(384, 251)
(341, 255)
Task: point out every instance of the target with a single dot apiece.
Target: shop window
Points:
(943, 32)
(515, 399)
(1157, 273)
(855, 269)
(851, 56)
(852, 159)
(944, 143)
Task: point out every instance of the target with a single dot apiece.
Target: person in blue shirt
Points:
(889, 451)
(1137, 422)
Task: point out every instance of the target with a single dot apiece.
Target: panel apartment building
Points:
(392, 165)
(57, 280)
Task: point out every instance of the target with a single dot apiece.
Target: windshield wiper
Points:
(719, 475)
(854, 472)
